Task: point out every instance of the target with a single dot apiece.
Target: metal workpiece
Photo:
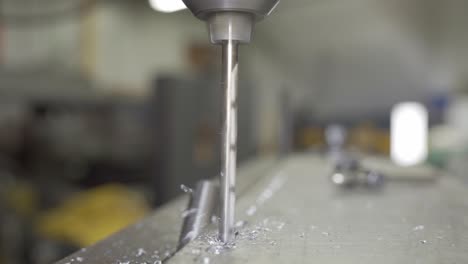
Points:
(156, 238)
(289, 213)
(201, 208)
(229, 140)
(293, 215)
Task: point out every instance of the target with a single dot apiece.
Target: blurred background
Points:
(107, 107)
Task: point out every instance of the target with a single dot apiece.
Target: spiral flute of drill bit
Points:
(230, 23)
(229, 145)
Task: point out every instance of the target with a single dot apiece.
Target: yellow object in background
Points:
(311, 137)
(93, 215)
(368, 138)
(362, 137)
(22, 199)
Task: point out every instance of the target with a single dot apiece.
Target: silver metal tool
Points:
(228, 166)
(230, 23)
(200, 209)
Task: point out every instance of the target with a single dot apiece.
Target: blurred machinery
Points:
(370, 136)
(52, 149)
(191, 107)
(76, 165)
(87, 217)
(60, 151)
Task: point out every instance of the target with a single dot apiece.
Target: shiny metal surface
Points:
(229, 151)
(203, 8)
(155, 238)
(233, 18)
(230, 22)
(201, 208)
(234, 26)
(290, 213)
(345, 179)
(294, 215)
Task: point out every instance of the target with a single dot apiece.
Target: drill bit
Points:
(229, 144)
(230, 23)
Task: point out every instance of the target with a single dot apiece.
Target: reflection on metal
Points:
(300, 218)
(229, 151)
(156, 238)
(200, 209)
(230, 23)
(348, 172)
(343, 179)
(307, 221)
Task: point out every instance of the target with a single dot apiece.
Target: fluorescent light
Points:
(167, 6)
(409, 129)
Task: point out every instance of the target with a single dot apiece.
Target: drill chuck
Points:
(231, 19)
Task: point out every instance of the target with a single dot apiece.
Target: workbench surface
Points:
(296, 216)
(293, 214)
